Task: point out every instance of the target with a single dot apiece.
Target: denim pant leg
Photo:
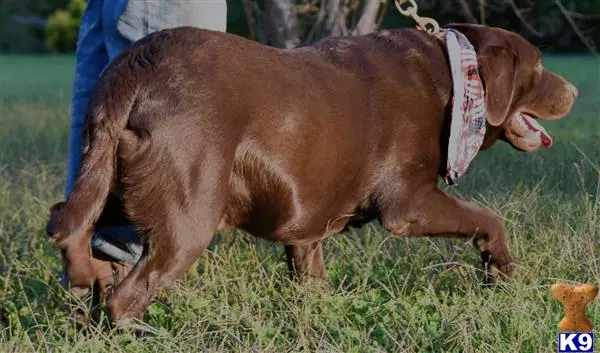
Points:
(95, 50)
(91, 59)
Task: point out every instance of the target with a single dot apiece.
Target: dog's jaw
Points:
(526, 134)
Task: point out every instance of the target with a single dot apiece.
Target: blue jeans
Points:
(108, 27)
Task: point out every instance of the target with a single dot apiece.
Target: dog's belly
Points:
(264, 221)
(273, 207)
(262, 205)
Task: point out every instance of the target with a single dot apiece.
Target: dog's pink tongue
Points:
(532, 125)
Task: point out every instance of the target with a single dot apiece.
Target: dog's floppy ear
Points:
(498, 70)
(497, 62)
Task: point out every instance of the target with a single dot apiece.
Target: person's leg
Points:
(91, 59)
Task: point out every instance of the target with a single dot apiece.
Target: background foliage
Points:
(22, 23)
(554, 25)
(62, 27)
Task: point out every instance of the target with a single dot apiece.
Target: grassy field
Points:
(387, 294)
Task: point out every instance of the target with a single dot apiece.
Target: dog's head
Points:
(518, 89)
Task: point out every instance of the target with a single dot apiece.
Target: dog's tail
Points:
(106, 120)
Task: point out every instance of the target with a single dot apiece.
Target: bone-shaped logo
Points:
(574, 299)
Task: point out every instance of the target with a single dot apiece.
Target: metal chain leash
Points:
(409, 8)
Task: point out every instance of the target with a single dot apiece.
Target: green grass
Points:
(387, 294)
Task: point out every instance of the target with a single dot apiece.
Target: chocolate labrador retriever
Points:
(197, 130)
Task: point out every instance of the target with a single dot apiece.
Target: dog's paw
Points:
(134, 326)
(498, 275)
(506, 272)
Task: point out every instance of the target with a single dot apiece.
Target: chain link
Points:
(409, 8)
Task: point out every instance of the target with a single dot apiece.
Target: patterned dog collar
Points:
(467, 127)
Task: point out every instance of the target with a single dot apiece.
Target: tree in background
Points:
(280, 24)
(23, 23)
(554, 25)
(288, 23)
(62, 27)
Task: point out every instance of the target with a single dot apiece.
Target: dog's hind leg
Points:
(171, 248)
(178, 207)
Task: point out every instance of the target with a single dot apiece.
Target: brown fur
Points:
(197, 130)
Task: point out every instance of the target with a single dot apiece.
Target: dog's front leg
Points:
(431, 212)
(306, 261)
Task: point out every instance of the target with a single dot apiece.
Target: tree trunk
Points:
(280, 23)
(368, 19)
